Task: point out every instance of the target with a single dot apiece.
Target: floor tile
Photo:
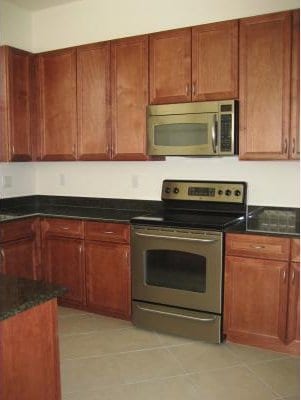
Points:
(282, 375)
(251, 354)
(176, 388)
(89, 323)
(170, 340)
(200, 356)
(107, 341)
(235, 383)
(67, 312)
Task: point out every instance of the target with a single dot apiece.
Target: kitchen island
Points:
(29, 355)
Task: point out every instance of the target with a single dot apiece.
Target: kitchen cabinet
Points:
(129, 90)
(194, 64)
(19, 251)
(56, 81)
(15, 97)
(294, 150)
(265, 85)
(93, 102)
(63, 257)
(260, 288)
(108, 268)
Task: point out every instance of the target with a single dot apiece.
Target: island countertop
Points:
(18, 294)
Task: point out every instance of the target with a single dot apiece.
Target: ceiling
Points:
(34, 5)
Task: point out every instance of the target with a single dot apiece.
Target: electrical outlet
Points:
(7, 182)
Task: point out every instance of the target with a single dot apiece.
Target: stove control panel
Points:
(208, 191)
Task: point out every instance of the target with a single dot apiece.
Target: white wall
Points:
(22, 179)
(15, 26)
(270, 183)
(89, 21)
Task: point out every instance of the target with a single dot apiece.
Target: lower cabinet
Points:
(19, 249)
(261, 301)
(64, 265)
(108, 278)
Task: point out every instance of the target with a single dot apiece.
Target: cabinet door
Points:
(64, 265)
(170, 66)
(129, 72)
(256, 301)
(293, 319)
(215, 61)
(108, 278)
(57, 83)
(295, 89)
(19, 258)
(93, 101)
(265, 55)
(15, 90)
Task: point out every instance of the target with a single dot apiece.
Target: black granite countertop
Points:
(18, 294)
(109, 210)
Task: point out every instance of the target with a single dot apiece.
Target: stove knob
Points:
(167, 190)
(228, 192)
(220, 192)
(237, 192)
(176, 190)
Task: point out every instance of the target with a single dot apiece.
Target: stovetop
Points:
(199, 204)
(191, 219)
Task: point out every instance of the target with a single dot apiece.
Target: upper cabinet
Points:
(294, 150)
(57, 105)
(15, 98)
(265, 87)
(194, 64)
(93, 101)
(129, 85)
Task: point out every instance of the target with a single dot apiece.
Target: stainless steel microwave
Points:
(193, 129)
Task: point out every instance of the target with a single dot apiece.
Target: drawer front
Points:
(258, 246)
(63, 227)
(18, 229)
(107, 232)
(295, 250)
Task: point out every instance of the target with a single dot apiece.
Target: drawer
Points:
(63, 227)
(295, 250)
(108, 232)
(258, 246)
(18, 229)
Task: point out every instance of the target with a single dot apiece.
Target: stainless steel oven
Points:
(177, 258)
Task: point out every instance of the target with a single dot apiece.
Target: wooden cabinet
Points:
(194, 64)
(265, 85)
(15, 97)
(63, 257)
(19, 249)
(57, 105)
(108, 268)
(93, 102)
(129, 87)
(261, 285)
(294, 150)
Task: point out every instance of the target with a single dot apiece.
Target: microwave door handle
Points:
(213, 133)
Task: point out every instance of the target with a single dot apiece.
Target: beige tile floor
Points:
(109, 359)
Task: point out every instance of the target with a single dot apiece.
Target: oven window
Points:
(176, 270)
(188, 134)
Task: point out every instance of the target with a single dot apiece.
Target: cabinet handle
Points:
(285, 146)
(187, 89)
(294, 146)
(109, 232)
(193, 89)
(257, 247)
(293, 277)
(284, 275)
(2, 255)
(65, 228)
(73, 149)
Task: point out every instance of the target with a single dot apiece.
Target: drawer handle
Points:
(65, 228)
(109, 232)
(257, 247)
(211, 319)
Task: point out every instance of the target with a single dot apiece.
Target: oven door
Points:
(182, 135)
(177, 267)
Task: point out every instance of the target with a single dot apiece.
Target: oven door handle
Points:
(212, 319)
(176, 238)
